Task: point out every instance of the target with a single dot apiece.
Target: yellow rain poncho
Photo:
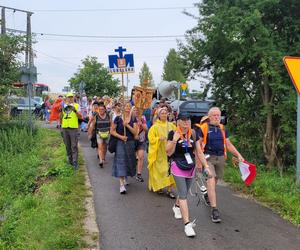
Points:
(157, 157)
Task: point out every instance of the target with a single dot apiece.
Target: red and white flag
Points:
(248, 172)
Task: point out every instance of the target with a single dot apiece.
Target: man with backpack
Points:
(215, 143)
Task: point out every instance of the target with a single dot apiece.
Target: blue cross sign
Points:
(122, 63)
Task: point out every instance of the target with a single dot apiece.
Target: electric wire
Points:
(116, 9)
(60, 59)
(97, 36)
(106, 41)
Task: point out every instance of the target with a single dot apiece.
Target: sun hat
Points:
(204, 119)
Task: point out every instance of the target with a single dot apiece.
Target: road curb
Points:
(90, 225)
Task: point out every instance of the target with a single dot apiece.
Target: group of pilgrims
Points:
(173, 149)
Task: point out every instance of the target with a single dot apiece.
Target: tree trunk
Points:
(270, 142)
(271, 134)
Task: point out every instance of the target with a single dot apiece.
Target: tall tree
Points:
(242, 44)
(145, 74)
(96, 78)
(173, 67)
(10, 47)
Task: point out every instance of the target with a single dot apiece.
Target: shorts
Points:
(183, 186)
(216, 165)
(100, 140)
(141, 145)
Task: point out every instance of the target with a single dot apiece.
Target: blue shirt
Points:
(120, 127)
(214, 142)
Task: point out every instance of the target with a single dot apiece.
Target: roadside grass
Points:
(41, 197)
(280, 193)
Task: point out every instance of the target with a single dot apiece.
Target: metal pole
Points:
(123, 101)
(298, 141)
(29, 86)
(14, 9)
(3, 22)
(127, 86)
(29, 64)
(178, 98)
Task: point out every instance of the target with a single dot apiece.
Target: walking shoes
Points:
(215, 215)
(189, 230)
(177, 213)
(122, 189)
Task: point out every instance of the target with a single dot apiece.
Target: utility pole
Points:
(3, 22)
(29, 65)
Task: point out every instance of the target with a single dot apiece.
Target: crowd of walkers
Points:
(174, 149)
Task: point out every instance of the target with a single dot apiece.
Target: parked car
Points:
(22, 105)
(196, 108)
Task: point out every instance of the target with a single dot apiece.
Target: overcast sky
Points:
(58, 58)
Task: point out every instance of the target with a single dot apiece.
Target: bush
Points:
(41, 199)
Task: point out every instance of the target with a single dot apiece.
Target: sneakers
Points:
(177, 212)
(122, 189)
(215, 215)
(206, 200)
(171, 195)
(101, 164)
(139, 178)
(189, 230)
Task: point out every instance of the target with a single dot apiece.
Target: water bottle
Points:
(203, 190)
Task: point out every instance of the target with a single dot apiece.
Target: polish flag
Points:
(248, 172)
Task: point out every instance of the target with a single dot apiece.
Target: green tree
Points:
(96, 78)
(10, 47)
(241, 44)
(145, 74)
(173, 67)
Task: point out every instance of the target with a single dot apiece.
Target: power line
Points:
(56, 58)
(118, 9)
(97, 36)
(106, 41)
(101, 58)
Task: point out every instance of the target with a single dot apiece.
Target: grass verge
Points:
(41, 197)
(281, 194)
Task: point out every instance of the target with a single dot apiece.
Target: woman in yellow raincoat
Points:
(158, 166)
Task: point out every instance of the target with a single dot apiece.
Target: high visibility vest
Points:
(70, 120)
(205, 127)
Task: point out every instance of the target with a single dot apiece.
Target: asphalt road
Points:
(144, 220)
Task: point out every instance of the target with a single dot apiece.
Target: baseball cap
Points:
(70, 94)
(183, 116)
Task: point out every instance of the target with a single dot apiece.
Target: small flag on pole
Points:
(248, 172)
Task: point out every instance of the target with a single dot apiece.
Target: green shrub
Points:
(41, 197)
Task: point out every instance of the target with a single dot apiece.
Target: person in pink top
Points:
(182, 147)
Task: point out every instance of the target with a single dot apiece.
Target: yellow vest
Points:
(70, 120)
